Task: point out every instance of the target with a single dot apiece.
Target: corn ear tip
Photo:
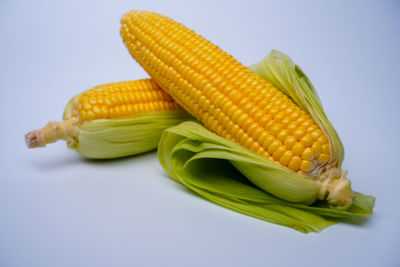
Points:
(126, 14)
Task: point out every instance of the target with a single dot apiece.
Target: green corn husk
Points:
(234, 177)
(205, 162)
(114, 138)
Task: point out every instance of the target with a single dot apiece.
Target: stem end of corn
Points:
(336, 188)
(52, 132)
(340, 194)
(32, 139)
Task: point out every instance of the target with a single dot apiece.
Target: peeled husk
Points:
(206, 163)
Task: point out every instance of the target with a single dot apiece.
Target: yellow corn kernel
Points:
(292, 127)
(275, 129)
(316, 134)
(290, 141)
(311, 129)
(305, 166)
(316, 148)
(307, 123)
(294, 163)
(262, 138)
(273, 146)
(282, 135)
(323, 157)
(286, 157)
(268, 141)
(325, 148)
(285, 122)
(280, 116)
(308, 154)
(257, 133)
(306, 140)
(279, 152)
(299, 133)
(323, 139)
(298, 149)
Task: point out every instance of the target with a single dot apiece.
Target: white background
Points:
(59, 209)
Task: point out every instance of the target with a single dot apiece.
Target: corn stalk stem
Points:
(53, 131)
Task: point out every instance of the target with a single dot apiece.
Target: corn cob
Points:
(231, 100)
(97, 122)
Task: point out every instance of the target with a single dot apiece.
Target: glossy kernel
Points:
(307, 154)
(282, 135)
(275, 129)
(305, 166)
(292, 127)
(295, 163)
(268, 141)
(298, 149)
(273, 146)
(290, 141)
(323, 158)
(299, 133)
(325, 148)
(279, 152)
(286, 157)
(307, 140)
(323, 139)
(316, 148)
(316, 134)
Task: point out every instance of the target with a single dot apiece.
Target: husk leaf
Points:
(113, 138)
(206, 163)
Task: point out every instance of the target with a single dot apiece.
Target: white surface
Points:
(58, 209)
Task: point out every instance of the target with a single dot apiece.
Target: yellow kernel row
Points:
(122, 99)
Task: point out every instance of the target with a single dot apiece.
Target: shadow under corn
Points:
(59, 161)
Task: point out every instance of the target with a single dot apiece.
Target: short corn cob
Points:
(232, 101)
(227, 97)
(109, 102)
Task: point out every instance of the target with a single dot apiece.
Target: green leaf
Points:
(113, 138)
(205, 163)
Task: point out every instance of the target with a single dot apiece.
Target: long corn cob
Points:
(99, 121)
(231, 100)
